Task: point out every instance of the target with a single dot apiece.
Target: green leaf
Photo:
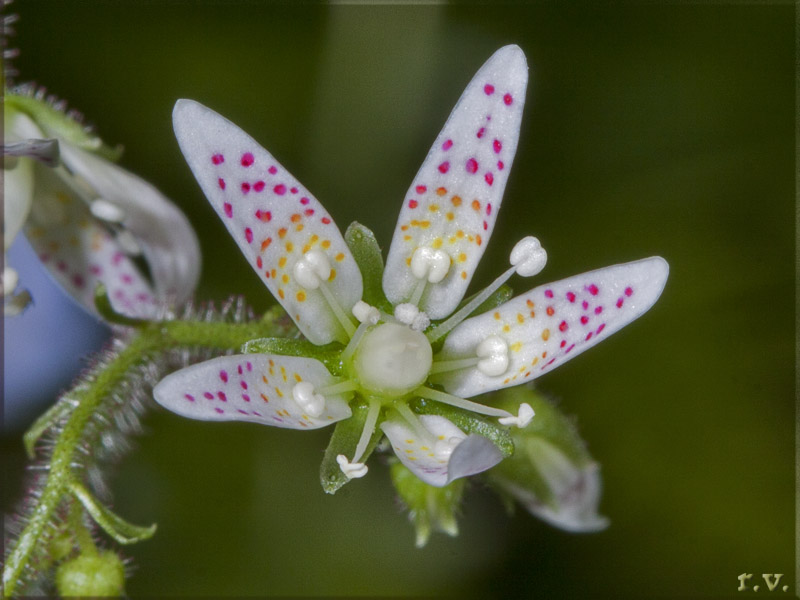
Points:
(329, 355)
(115, 526)
(367, 253)
(344, 441)
(468, 422)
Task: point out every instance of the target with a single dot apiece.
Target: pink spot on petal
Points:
(444, 167)
(585, 305)
(593, 290)
(243, 384)
(248, 235)
(228, 209)
(222, 396)
(326, 220)
(247, 159)
(485, 226)
(500, 165)
(245, 397)
(249, 366)
(480, 133)
(548, 293)
(563, 326)
(245, 187)
(239, 369)
(563, 343)
(208, 395)
(584, 319)
(308, 212)
(488, 89)
(304, 200)
(508, 99)
(599, 329)
(497, 145)
(619, 303)
(272, 170)
(224, 376)
(472, 165)
(221, 183)
(447, 145)
(219, 410)
(95, 270)
(126, 278)
(259, 186)
(78, 280)
(489, 178)
(628, 291)
(279, 189)
(218, 159)
(568, 349)
(588, 337)
(189, 397)
(598, 310)
(421, 189)
(489, 209)
(413, 204)
(570, 296)
(294, 190)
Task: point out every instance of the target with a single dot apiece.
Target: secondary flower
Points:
(415, 352)
(86, 217)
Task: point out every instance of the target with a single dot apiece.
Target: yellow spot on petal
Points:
(409, 441)
(281, 262)
(516, 346)
(433, 207)
(441, 191)
(340, 257)
(285, 278)
(407, 237)
(497, 316)
(476, 205)
(265, 243)
(296, 218)
(297, 378)
(282, 232)
(506, 328)
(326, 244)
(450, 216)
(456, 200)
(281, 294)
(459, 234)
(437, 243)
(333, 275)
(462, 257)
(299, 227)
(520, 318)
(289, 246)
(463, 274)
(546, 335)
(301, 296)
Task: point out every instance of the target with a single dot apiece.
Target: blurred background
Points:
(649, 130)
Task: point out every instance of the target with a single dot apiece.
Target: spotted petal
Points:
(79, 252)
(272, 217)
(454, 199)
(167, 240)
(553, 323)
(472, 454)
(253, 387)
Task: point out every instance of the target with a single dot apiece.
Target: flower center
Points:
(392, 360)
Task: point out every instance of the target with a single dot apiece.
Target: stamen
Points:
(443, 366)
(128, 243)
(312, 272)
(369, 428)
(311, 403)
(421, 322)
(106, 211)
(494, 352)
(527, 258)
(352, 470)
(416, 424)
(366, 313)
(416, 296)
(522, 419)
(406, 313)
(445, 398)
(354, 341)
(10, 280)
(45, 151)
(430, 264)
(339, 388)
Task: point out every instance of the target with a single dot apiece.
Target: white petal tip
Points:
(354, 470)
(522, 419)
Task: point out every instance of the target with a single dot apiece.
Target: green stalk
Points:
(143, 344)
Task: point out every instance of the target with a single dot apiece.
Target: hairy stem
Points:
(146, 343)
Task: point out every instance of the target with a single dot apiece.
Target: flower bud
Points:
(91, 575)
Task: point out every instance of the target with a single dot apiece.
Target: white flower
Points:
(392, 353)
(86, 217)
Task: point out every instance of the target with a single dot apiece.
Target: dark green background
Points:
(650, 129)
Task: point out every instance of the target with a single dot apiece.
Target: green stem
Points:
(143, 344)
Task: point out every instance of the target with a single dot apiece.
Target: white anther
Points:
(494, 352)
(366, 313)
(421, 322)
(128, 243)
(430, 264)
(312, 269)
(10, 280)
(522, 419)
(528, 257)
(442, 449)
(406, 313)
(352, 470)
(105, 211)
(312, 404)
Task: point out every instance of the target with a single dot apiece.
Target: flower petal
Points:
(552, 323)
(167, 239)
(18, 180)
(471, 454)
(453, 202)
(80, 253)
(272, 217)
(250, 387)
